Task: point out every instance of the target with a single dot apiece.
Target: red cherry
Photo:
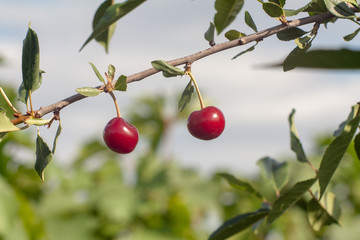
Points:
(120, 136)
(206, 124)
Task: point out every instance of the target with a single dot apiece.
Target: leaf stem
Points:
(7, 100)
(188, 72)
(116, 104)
(30, 103)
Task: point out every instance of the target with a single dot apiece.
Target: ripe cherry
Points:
(120, 136)
(207, 123)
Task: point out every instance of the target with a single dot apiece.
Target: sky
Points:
(256, 101)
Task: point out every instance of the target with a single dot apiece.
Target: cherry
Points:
(120, 136)
(207, 123)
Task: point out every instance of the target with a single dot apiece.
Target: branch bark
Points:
(258, 36)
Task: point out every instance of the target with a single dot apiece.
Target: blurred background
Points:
(256, 102)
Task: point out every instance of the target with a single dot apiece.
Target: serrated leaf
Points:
(210, 33)
(5, 123)
(295, 143)
(58, 132)
(43, 156)
(324, 212)
(335, 152)
(31, 61)
(167, 69)
(111, 15)
(273, 9)
(121, 83)
(286, 200)
(234, 34)
(351, 36)
(186, 96)
(240, 185)
(290, 34)
(274, 171)
(238, 224)
(339, 8)
(104, 37)
(88, 91)
(246, 51)
(99, 76)
(226, 12)
(250, 22)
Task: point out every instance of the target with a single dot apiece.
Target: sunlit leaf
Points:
(5, 123)
(335, 152)
(234, 34)
(167, 69)
(186, 96)
(274, 171)
(238, 224)
(272, 9)
(351, 36)
(250, 22)
(88, 91)
(37, 121)
(240, 185)
(111, 15)
(99, 76)
(286, 200)
(302, 42)
(290, 34)
(339, 8)
(226, 12)
(121, 83)
(43, 156)
(210, 33)
(295, 143)
(281, 3)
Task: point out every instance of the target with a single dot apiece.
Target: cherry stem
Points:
(196, 88)
(116, 104)
(8, 101)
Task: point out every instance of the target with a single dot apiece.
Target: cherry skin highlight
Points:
(207, 123)
(120, 136)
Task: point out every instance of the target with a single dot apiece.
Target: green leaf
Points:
(339, 8)
(336, 150)
(295, 143)
(43, 156)
(285, 201)
(279, 2)
(88, 91)
(351, 36)
(240, 185)
(234, 34)
(292, 59)
(326, 59)
(357, 145)
(274, 171)
(210, 33)
(186, 96)
(324, 212)
(111, 71)
(37, 121)
(238, 224)
(273, 9)
(167, 69)
(99, 76)
(5, 123)
(111, 15)
(250, 22)
(303, 42)
(121, 83)
(58, 132)
(243, 52)
(31, 61)
(104, 37)
(315, 6)
(290, 34)
(24, 94)
(226, 12)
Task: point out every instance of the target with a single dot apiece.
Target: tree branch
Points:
(258, 36)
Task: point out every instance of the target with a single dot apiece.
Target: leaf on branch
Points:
(239, 223)
(324, 212)
(291, 61)
(290, 34)
(110, 16)
(5, 123)
(250, 22)
(99, 76)
(24, 94)
(273, 9)
(88, 91)
(314, 7)
(105, 36)
(240, 185)
(31, 61)
(357, 145)
(295, 143)
(58, 132)
(277, 173)
(351, 36)
(226, 12)
(243, 52)
(37, 121)
(43, 156)
(339, 8)
(336, 150)
(302, 42)
(186, 96)
(167, 69)
(234, 34)
(121, 83)
(210, 33)
(285, 201)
